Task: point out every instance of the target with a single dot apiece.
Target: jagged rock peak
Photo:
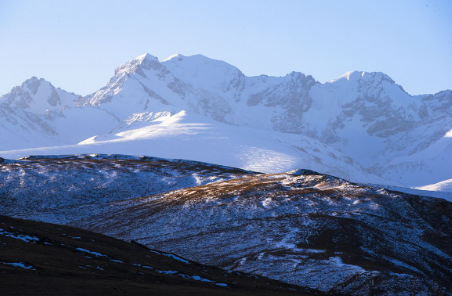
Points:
(147, 57)
(298, 76)
(30, 86)
(177, 56)
(145, 61)
(32, 79)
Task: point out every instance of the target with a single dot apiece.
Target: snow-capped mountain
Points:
(365, 118)
(37, 114)
(25, 113)
(39, 97)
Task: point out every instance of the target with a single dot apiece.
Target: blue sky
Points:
(77, 44)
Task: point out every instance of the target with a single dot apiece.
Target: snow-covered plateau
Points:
(361, 126)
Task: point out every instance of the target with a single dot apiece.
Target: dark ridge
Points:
(46, 259)
(132, 157)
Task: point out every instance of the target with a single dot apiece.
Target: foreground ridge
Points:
(46, 259)
(301, 227)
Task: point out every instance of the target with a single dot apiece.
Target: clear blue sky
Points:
(77, 44)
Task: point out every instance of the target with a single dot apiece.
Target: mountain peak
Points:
(146, 56)
(32, 85)
(357, 75)
(174, 56)
(32, 79)
(203, 72)
(38, 96)
(135, 65)
(196, 59)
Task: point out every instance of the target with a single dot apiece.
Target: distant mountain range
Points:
(361, 126)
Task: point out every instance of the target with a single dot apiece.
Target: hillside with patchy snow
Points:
(46, 182)
(300, 227)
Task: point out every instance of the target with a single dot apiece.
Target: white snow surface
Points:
(444, 186)
(195, 137)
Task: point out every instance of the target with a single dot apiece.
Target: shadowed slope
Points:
(46, 259)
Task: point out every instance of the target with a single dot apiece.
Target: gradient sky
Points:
(76, 45)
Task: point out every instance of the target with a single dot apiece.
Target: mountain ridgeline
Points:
(361, 126)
